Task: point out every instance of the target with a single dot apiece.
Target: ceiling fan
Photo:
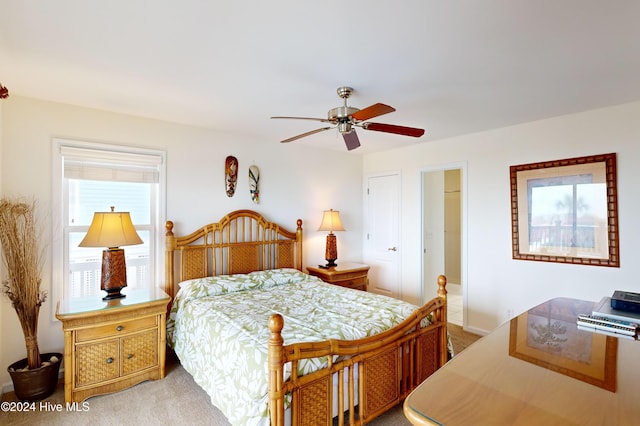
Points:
(346, 118)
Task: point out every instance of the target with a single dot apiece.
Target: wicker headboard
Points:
(242, 241)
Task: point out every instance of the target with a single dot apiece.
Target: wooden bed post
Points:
(275, 354)
(298, 249)
(170, 245)
(442, 316)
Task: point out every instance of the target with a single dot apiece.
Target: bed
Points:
(273, 345)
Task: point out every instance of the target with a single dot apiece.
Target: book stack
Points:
(607, 320)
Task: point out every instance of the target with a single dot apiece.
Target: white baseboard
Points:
(477, 331)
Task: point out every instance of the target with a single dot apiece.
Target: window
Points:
(94, 177)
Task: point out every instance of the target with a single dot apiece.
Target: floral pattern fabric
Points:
(218, 327)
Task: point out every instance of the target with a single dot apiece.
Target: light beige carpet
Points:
(175, 400)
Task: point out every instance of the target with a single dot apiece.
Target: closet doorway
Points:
(443, 235)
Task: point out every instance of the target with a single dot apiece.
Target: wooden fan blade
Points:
(391, 128)
(291, 139)
(374, 110)
(351, 140)
(323, 120)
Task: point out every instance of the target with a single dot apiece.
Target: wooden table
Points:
(112, 345)
(535, 369)
(346, 274)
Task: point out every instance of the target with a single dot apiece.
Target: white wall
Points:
(296, 182)
(293, 186)
(496, 283)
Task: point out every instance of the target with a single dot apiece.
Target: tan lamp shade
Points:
(331, 222)
(112, 230)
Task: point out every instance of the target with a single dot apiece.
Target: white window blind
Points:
(119, 166)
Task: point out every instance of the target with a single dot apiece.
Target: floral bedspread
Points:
(218, 327)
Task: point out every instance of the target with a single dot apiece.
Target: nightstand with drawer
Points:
(112, 345)
(347, 274)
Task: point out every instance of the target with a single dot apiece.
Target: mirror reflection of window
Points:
(567, 212)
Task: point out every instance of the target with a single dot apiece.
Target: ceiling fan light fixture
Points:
(344, 127)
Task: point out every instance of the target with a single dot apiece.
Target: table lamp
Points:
(331, 222)
(112, 230)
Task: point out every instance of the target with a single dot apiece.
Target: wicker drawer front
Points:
(139, 351)
(115, 329)
(96, 362)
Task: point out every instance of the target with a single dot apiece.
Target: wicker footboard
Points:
(371, 375)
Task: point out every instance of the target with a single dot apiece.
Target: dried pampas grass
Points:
(22, 258)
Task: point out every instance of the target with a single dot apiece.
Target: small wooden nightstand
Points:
(347, 274)
(110, 346)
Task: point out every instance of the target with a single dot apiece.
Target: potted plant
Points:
(36, 376)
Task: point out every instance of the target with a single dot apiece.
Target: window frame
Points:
(59, 251)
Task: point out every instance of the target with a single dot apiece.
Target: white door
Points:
(381, 247)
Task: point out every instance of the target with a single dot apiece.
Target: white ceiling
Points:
(451, 67)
